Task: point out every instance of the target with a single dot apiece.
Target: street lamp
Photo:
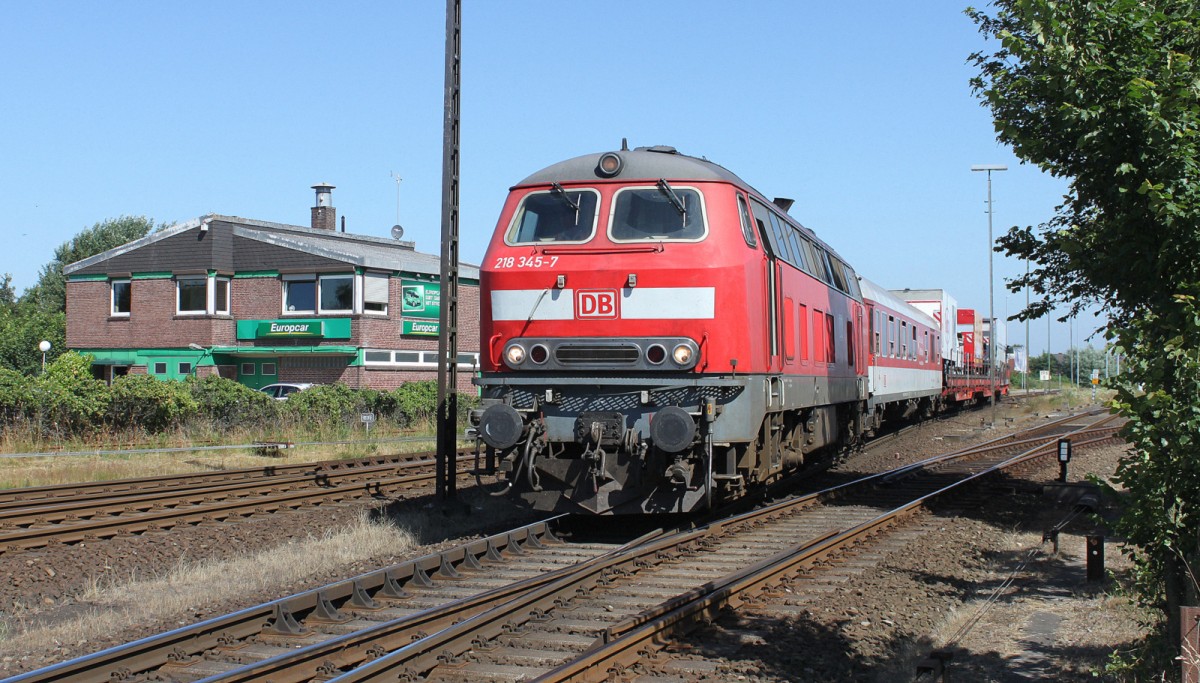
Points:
(203, 350)
(988, 168)
(44, 347)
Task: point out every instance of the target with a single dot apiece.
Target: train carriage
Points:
(905, 351)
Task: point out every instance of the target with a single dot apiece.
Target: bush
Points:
(16, 397)
(68, 402)
(67, 399)
(325, 404)
(143, 402)
(226, 403)
(415, 402)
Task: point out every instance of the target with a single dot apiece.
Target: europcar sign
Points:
(423, 328)
(420, 299)
(294, 328)
(277, 328)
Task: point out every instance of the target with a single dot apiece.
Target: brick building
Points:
(264, 302)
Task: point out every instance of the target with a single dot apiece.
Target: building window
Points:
(375, 293)
(267, 369)
(337, 293)
(160, 368)
(221, 296)
(192, 296)
(247, 370)
(315, 362)
(300, 295)
(324, 294)
(122, 297)
(185, 368)
(427, 360)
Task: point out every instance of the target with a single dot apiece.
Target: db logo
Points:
(596, 303)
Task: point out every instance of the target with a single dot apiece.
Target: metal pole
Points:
(1028, 351)
(991, 309)
(447, 441)
(991, 355)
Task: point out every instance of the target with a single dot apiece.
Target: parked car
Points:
(281, 390)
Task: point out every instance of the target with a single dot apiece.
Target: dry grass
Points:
(1069, 398)
(175, 598)
(16, 472)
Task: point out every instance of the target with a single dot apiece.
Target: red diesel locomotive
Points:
(656, 335)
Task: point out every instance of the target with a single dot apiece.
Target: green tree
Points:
(22, 328)
(49, 293)
(1106, 94)
(8, 297)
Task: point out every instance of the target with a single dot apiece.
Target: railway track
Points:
(33, 518)
(533, 605)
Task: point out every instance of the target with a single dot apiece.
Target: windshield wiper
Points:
(665, 188)
(558, 191)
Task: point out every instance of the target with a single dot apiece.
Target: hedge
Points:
(66, 401)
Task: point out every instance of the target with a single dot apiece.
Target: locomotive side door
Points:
(762, 219)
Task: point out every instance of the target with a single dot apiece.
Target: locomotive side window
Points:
(822, 266)
(657, 213)
(762, 218)
(780, 229)
(797, 242)
(556, 215)
(844, 274)
(839, 275)
(747, 222)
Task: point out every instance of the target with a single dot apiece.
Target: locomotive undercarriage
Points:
(655, 444)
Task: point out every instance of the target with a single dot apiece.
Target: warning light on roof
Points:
(609, 165)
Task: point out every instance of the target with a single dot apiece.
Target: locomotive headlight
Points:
(515, 355)
(682, 354)
(609, 165)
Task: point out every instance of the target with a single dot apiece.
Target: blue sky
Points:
(861, 112)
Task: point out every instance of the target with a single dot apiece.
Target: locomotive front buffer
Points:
(616, 453)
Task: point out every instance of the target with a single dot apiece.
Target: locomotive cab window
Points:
(662, 213)
(747, 222)
(557, 215)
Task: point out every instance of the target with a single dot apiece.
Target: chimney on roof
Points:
(324, 216)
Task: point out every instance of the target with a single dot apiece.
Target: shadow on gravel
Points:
(1059, 664)
(1045, 576)
(472, 512)
(766, 649)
